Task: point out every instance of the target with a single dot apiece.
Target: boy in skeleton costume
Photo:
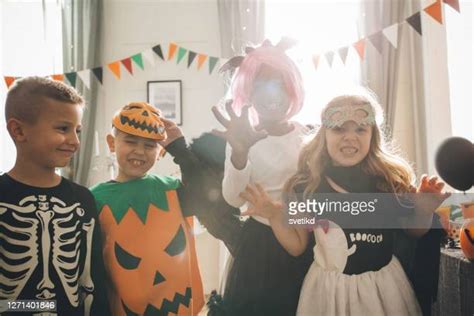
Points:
(149, 248)
(50, 239)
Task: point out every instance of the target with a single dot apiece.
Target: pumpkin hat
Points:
(140, 119)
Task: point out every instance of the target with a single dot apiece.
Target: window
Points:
(31, 44)
(460, 68)
(318, 26)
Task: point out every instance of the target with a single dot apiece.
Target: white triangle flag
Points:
(391, 33)
(149, 55)
(329, 57)
(85, 76)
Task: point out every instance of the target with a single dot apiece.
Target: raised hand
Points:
(239, 133)
(172, 130)
(429, 194)
(261, 203)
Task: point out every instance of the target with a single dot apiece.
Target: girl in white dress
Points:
(354, 271)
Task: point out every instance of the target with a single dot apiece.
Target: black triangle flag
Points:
(415, 22)
(191, 56)
(98, 73)
(158, 51)
(71, 77)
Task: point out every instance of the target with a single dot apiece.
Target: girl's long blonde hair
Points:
(382, 159)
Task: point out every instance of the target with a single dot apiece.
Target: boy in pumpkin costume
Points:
(149, 250)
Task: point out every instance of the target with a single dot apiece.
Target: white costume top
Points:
(271, 162)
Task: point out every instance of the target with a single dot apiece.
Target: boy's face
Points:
(135, 155)
(54, 138)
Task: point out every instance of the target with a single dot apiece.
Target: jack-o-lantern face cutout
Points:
(151, 262)
(140, 119)
(466, 238)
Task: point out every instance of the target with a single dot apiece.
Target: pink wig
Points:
(274, 57)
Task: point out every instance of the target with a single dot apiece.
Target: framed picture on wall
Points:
(166, 96)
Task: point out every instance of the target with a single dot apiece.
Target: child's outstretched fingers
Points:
(434, 196)
(261, 203)
(239, 132)
(245, 195)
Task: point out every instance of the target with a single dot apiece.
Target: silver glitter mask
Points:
(336, 116)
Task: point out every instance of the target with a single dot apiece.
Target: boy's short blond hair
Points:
(27, 96)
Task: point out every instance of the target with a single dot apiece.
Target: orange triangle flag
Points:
(115, 68)
(201, 59)
(172, 50)
(434, 11)
(316, 61)
(360, 48)
(9, 81)
(58, 77)
(127, 62)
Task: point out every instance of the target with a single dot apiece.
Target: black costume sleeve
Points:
(189, 192)
(420, 259)
(201, 195)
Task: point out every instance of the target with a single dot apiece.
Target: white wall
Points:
(133, 26)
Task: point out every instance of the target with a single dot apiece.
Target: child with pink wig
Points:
(263, 147)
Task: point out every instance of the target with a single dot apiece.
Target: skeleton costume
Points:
(51, 247)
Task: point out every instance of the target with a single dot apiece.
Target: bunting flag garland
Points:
(453, 4)
(71, 77)
(212, 63)
(137, 58)
(377, 40)
(59, 77)
(191, 57)
(181, 53)
(343, 53)
(316, 61)
(391, 33)
(9, 81)
(98, 72)
(329, 57)
(172, 50)
(85, 76)
(158, 51)
(434, 11)
(201, 59)
(149, 55)
(415, 22)
(360, 48)
(115, 68)
(127, 63)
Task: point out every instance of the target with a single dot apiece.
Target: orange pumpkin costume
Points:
(149, 251)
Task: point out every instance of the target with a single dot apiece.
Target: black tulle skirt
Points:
(263, 278)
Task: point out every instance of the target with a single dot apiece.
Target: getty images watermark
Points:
(362, 210)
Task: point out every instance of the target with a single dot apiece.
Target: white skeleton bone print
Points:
(46, 230)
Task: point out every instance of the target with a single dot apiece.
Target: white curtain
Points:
(397, 76)
(241, 23)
